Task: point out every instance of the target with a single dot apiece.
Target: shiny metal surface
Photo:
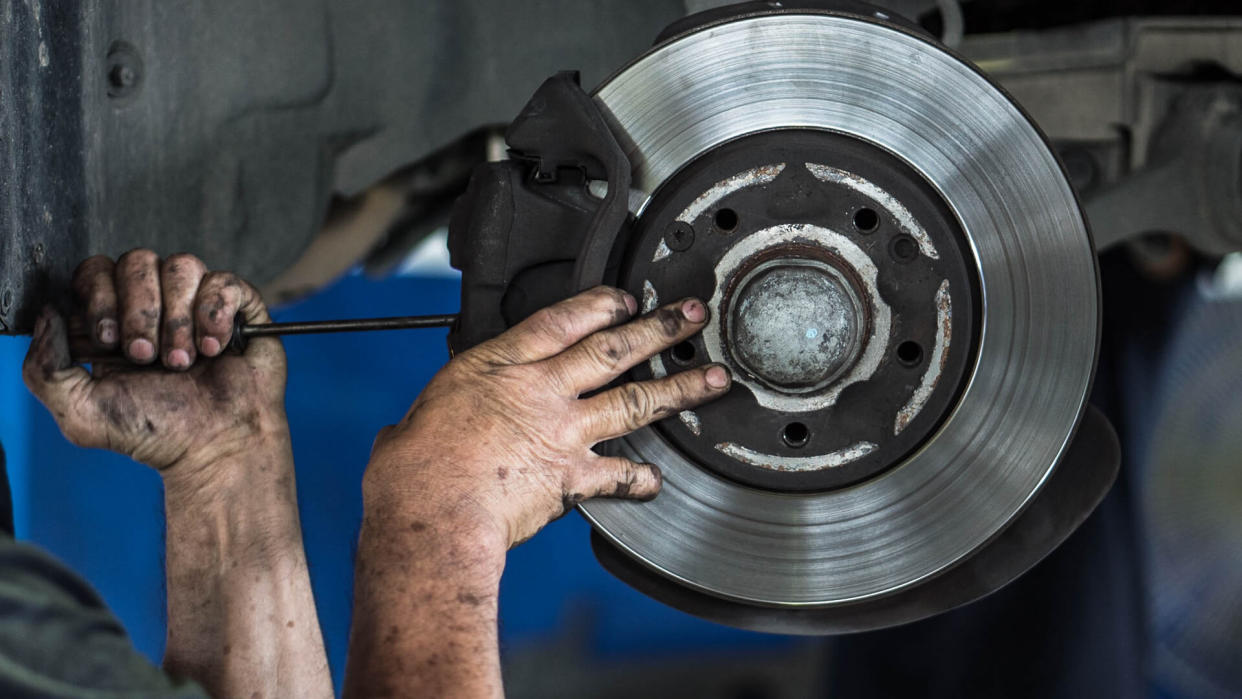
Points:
(796, 324)
(1040, 315)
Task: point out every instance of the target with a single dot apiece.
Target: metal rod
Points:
(337, 326)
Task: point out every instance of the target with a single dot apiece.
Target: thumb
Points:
(61, 386)
(618, 477)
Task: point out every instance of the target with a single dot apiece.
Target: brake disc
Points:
(899, 277)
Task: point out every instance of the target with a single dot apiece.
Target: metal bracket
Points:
(527, 233)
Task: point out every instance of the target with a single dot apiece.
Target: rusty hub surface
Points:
(842, 296)
(796, 324)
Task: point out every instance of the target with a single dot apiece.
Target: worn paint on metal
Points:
(662, 251)
(935, 364)
(905, 220)
(755, 176)
(651, 299)
(819, 462)
(690, 419)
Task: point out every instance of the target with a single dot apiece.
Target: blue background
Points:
(102, 514)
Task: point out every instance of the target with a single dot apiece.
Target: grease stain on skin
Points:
(670, 319)
(470, 599)
(623, 488)
(569, 501)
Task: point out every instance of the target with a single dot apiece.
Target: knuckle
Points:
(216, 307)
(685, 390)
(554, 322)
(141, 323)
(138, 257)
(91, 268)
(610, 302)
(637, 405)
(182, 262)
(94, 287)
(494, 352)
(218, 279)
(610, 350)
(177, 327)
(601, 294)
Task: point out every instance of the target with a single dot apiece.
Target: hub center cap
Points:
(796, 324)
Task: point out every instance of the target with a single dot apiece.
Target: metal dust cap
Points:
(796, 324)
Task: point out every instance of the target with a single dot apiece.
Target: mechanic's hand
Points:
(501, 438)
(167, 405)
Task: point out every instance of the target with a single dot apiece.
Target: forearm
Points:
(425, 607)
(241, 614)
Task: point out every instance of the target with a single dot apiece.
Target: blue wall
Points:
(102, 513)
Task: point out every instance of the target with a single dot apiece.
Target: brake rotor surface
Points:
(900, 279)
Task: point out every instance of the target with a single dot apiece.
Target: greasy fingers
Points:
(621, 410)
(606, 355)
(179, 278)
(95, 293)
(529, 456)
(221, 296)
(137, 281)
(618, 477)
(549, 331)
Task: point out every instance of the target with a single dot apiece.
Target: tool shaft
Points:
(83, 351)
(336, 326)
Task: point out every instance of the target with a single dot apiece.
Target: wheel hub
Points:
(832, 257)
(795, 324)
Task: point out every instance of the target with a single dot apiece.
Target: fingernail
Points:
(179, 359)
(716, 376)
(106, 329)
(630, 303)
(141, 350)
(694, 311)
(210, 346)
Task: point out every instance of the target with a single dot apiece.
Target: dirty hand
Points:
(500, 441)
(167, 405)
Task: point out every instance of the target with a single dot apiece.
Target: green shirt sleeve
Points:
(58, 639)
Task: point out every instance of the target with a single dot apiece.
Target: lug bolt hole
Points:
(796, 435)
(904, 248)
(910, 353)
(726, 219)
(866, 220)
(683, 352)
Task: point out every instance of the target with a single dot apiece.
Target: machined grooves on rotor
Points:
(1037, 302)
